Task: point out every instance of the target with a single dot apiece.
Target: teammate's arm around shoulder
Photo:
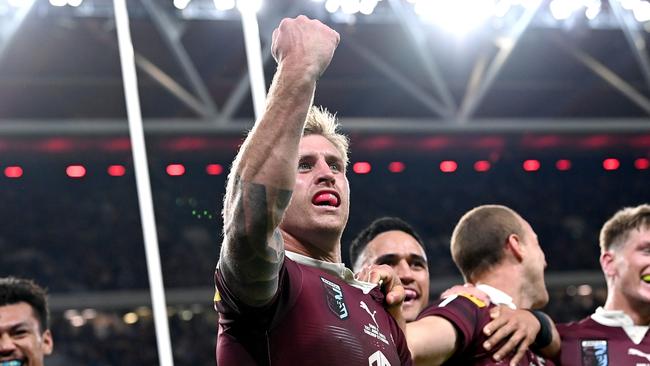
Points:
(264, 172)
(432, 340)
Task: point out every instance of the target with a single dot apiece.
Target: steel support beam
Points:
(10, 27)
(171, 33)
(506, 46)
(606, 74)
(357, 125)
(635, 38)
(409, 23)
(398, 78)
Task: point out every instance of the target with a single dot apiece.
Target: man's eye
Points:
(335, 167)
(304, 165)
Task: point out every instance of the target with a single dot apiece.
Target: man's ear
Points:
(48, 342)
(514, 244)
(607, 263)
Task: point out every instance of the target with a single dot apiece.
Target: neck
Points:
(329, 251)
(507, 279)
(639, 311)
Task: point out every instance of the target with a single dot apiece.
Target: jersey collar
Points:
(497, 296)
(618, 318)
(336, 269)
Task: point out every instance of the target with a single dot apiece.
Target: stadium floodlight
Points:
(366, 7)
(181, 4)
(350, 6)
(74, 3)
(502, 8)
(19, 3)
(641, 12)
(563, 9)
(593, 9)
(458, 17)
(224, 5)
(332, 5)
(628, 4)
(249, 5)
(58, 2)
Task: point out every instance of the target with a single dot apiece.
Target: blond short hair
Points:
(617, 229)
(321, 122)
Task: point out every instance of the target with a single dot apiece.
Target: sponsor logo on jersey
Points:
(372, 329)
(378, 359)
(334, 298)
(594, 352)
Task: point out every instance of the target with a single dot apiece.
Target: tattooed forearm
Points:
(253, 250)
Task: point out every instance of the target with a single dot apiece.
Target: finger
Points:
(395, 296)
(499, 335)
(508, 347)
(521, 352)
(494, 325)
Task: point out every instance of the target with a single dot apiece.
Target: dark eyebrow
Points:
(392, 258)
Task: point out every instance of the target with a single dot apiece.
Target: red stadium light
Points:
(482, 166)
(448, 166)
(75, 171)
(116, 170)
(214, 169)
(13, 172)
(175, 170)
(396, 167)
(611, 164)
(642, 163)
(531, 165)
(563, 164)
(362, 167)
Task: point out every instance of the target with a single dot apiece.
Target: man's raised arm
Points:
(263, 174)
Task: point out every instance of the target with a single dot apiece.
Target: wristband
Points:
(545, 334)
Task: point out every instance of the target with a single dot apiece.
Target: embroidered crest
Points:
(334, 298)
(594, 353)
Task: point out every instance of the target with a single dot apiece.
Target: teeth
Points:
(646, 278)
(11, 363)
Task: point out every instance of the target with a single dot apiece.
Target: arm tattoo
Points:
(253, 249)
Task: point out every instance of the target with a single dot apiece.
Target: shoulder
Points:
(463, 303)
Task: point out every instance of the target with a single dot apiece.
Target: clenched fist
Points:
(305, 44)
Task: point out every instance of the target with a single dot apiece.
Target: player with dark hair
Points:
(391, 241)
(25, 337)
(497, 251)
(283, 295)
(617, 333)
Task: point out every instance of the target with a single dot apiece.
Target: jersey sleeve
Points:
(462, 312)
(230, 307)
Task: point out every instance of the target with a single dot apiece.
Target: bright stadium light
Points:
(58, 2)
(350, 6)
(74, 3)
(19, 3)
(563, 9)
(366, 7)
(332, 5)
(459, 16)
(641, 12)
(181, 4)
(224, 5)
(502, 8)
(249, 5)
(593, 9)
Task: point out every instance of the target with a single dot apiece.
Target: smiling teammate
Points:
(25, 338)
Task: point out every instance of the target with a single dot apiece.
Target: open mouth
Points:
(411, 296)
(326, 198)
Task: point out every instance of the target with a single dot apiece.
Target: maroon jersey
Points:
(588, 342)
(469, 316)
(316, 318)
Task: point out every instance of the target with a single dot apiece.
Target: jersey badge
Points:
(594, 352)
(334, 298)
